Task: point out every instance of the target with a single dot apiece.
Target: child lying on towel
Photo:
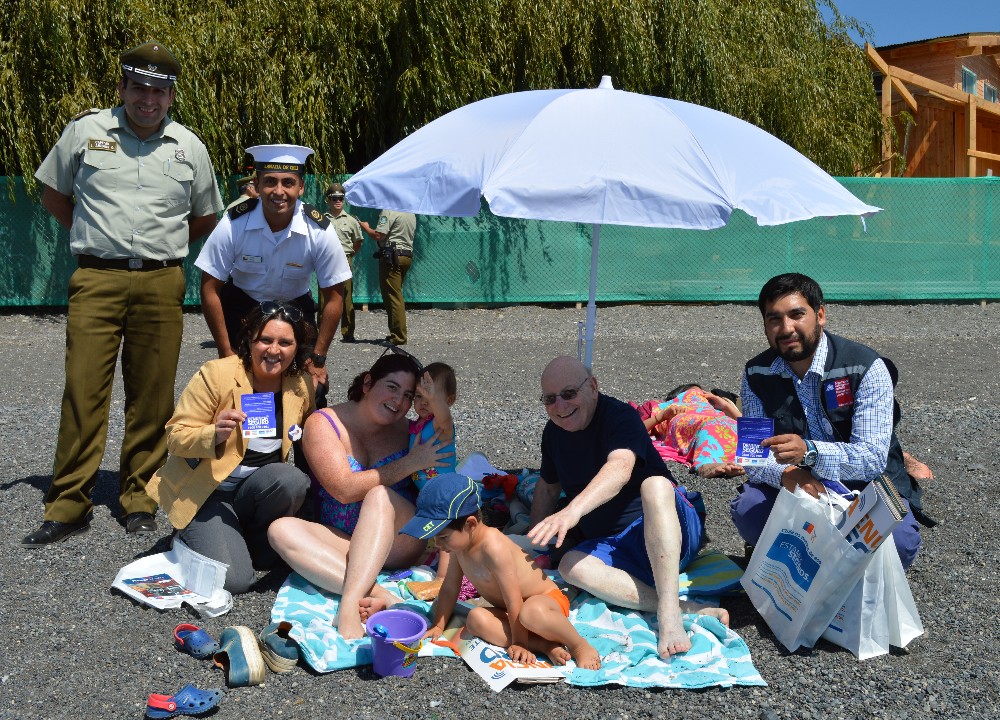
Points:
(700, 426)
(530, 614)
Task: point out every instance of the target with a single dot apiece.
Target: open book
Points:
(176, 577)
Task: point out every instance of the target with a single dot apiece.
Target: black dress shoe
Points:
(347, 339)
(53, 531)
(140, 523)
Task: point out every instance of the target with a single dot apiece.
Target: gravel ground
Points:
(71, 648)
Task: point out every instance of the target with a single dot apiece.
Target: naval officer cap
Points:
(280, 158)
(151, 64)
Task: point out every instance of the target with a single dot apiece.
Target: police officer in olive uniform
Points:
(394, 235)
(351, 237)
(248, 191)
(144, 188)
(267, 249)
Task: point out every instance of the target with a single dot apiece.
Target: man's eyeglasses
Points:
(566, 395)
(270, 307)
(395, 350)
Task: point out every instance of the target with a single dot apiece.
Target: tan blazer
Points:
(196, 465)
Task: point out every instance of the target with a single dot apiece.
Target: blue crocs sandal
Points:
(240, 658)
(189, 700)
(194, 641)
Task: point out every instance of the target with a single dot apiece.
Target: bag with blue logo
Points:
(802, 569)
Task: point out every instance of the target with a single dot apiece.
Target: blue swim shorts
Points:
(627, 550)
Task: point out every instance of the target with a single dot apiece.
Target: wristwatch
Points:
(318, 360)
(811, 456)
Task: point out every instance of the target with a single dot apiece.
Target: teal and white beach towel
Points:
(625, 639)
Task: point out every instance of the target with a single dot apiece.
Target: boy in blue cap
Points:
(530, 614)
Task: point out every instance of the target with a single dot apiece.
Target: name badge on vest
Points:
(838, 393)
(253, 258)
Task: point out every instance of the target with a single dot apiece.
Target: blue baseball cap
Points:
(444, 498)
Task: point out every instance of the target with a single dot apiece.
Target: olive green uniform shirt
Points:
(133, 197)
(348, 230)
(398, 227)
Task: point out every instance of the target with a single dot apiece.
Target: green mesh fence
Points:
(937, 239)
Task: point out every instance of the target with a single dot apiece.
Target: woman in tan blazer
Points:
(219, 489)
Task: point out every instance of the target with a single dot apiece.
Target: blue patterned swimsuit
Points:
(344, 516)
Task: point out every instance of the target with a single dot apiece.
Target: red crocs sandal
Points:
(189, 700)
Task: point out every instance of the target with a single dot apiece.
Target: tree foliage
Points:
(350, 79)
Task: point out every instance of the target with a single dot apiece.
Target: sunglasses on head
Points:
(402, 353)
(270, 307)
(567, 394)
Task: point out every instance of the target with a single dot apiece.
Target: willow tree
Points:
(353, 78)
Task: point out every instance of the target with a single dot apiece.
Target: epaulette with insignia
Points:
(85, 113)
(315, 215)
(243, 208)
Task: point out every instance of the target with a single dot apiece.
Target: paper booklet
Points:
(494, 665)
(750, 433)
(177, 577)
(261, 420)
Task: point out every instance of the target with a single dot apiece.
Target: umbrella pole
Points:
(588, 355)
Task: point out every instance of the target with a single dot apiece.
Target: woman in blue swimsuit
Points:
(357, 451)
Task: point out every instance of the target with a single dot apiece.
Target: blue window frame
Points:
(989, 92)
(968, 81)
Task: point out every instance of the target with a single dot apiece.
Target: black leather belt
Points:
(95, 263)
(404, 253)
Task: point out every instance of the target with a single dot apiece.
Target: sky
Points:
(899, 21)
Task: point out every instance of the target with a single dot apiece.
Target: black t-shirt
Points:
(574, 458)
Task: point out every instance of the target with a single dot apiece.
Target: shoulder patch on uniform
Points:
(85, 113)
(315, 215)
(243, 208)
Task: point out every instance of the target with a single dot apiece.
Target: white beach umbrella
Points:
(599, 156)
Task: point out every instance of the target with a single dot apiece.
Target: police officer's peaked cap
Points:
(244, 181)
(336, 190)
(280, 158)
(151, 64)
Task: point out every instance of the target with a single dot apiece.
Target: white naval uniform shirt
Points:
(274, 266)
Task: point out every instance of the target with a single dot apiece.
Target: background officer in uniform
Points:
(267, 249)
(351, 237)
(144, 188)
(394, 235)
(248, 191)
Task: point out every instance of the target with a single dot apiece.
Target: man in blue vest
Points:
(832, 404)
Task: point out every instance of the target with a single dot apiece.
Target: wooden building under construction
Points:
(948, 86)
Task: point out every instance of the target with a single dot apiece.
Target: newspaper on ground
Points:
(177, 577)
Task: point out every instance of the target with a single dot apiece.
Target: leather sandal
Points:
(189, 700)
(194, 641)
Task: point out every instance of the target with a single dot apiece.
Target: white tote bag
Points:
(862, 623)
(901, 611)
(802, 570)
(880, 611)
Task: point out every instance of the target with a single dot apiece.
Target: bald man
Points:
(639, 529)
